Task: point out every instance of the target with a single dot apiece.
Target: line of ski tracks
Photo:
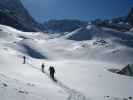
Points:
(73, 94)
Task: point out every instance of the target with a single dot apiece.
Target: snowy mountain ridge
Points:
(64, 25)
(13, 13)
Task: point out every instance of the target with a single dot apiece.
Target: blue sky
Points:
(43, 10)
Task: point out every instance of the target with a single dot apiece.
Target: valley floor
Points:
(80, 76)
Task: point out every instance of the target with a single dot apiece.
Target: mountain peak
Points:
(13, 13)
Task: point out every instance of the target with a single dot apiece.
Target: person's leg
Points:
(50, 74)
(24, 60)
(54, 79)
(53, 75)
(42, 69)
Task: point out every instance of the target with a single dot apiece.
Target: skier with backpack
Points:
(24, 59)
(43, 67)
(52, 72)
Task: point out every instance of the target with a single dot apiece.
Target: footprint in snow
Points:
(29, 84)
(73, 94)
(5, 85)
(117, 98)
(23, 92)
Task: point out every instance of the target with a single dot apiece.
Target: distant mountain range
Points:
(64, 25)
(13, 13)
(124, 23)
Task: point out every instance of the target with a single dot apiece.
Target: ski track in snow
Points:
(73, 94)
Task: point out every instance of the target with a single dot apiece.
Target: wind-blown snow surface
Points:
(81, 67)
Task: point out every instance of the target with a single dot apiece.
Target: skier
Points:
(24, 59)
(52, 71)
(43, 67)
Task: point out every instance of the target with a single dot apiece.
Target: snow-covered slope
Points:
(81, 67)
(92, 31)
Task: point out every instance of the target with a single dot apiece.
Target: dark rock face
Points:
(128, 70)
(65, 25)
(130, 17)
(13, 13)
